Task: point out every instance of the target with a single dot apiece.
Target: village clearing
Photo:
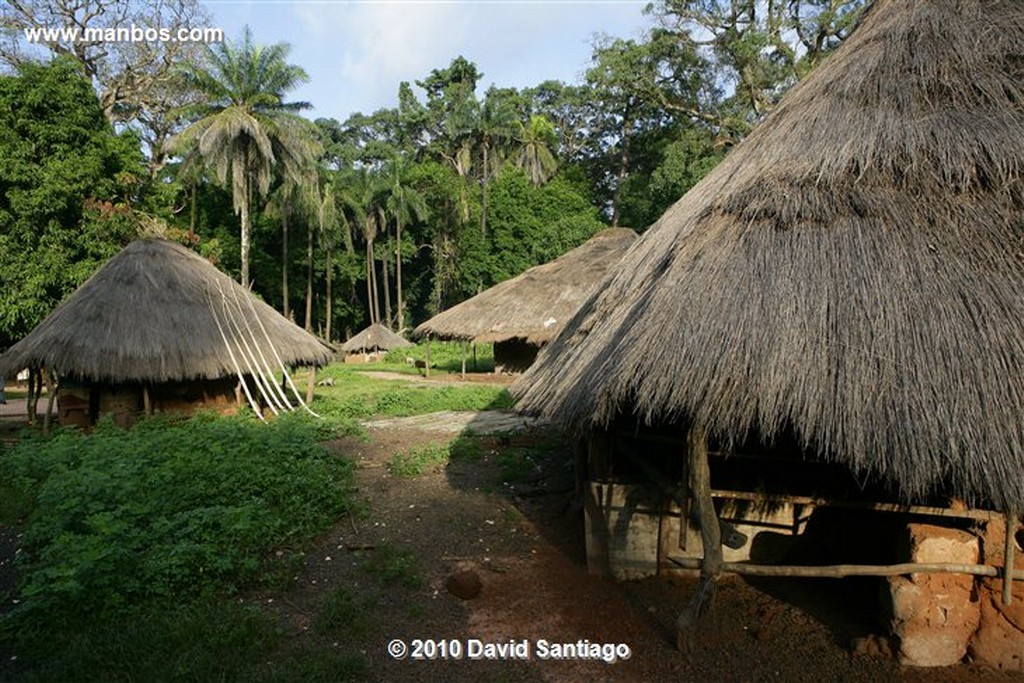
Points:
(487, 494)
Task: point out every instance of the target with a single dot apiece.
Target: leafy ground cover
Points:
(131, 538)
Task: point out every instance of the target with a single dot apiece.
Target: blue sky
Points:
(356, 53)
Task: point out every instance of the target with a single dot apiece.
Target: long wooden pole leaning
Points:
(710, 533)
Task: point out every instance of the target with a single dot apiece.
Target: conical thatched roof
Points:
(851, 272)
(374, 337)
(151, 313)
(537, 303)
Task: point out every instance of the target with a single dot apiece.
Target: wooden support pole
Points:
(710, 533)
(310, 384)
(51, 396)
(147, 402)
(464, 344)
(839, 571)
(1008, 573)
(426, 369)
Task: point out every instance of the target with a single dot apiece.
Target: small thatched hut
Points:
(841, 299)
(158, 327)
(370, 343)
(525, 312)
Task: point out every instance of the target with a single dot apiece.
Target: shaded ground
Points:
(524, 539)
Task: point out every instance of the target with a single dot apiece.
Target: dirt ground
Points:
(525, 542)
(380, 575)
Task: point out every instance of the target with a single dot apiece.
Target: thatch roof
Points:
(851, 272)
(537, 303)
(151, 313)
(375, 337)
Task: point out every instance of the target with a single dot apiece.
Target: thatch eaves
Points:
(376, 337)
(537, 303)
(159, 312)
(852, 271)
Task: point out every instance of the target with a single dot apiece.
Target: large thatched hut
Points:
(370, 343)
(158, 327)
(525, 312)
(836, 312)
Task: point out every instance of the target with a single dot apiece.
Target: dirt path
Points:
(521, 534)
(481, 423)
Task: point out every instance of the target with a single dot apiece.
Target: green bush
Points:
(166, 511)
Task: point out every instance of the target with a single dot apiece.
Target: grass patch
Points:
(446, 356)
(394, 566)
(358, 394)
(419, 459)
(344, 614)
(165, 517)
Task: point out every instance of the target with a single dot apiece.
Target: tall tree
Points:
(757, 49)
(404, 204)
(136, 79)
(68, 184)
(244, 129)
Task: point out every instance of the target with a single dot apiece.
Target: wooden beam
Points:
(1008, 572)
(924, 510)
(838, 571)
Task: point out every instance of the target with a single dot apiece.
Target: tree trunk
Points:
(369, 286)
(398, 275)
(623, 167)
(328, 313)
(309, 279)
(245, 234)
(192, 213)
(483, 208)
(374, 302)
(387, 288)
(285, 307)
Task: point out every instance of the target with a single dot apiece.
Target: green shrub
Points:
(166, 511)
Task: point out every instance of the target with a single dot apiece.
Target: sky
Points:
(357, 52)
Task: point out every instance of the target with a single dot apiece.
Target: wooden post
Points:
(426, 369)
(1011, 527)
(310, 384)
(147, 403)
(51, 396)
(475, 368)
(464, 344)
(710, 533)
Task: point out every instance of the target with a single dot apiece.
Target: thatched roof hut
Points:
(158, 314)
(376, 337)
(532, 307)
(851, 274)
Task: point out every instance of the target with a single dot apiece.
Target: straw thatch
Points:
(852, 272)
(151, 314)
(537, 303)
(376, 337)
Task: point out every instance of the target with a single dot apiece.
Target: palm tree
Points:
(534, 156)
(495, 126)
(243, 128)
(404, 204)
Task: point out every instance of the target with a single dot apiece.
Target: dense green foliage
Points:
(67, 184)
(408, 210)
(164, 512)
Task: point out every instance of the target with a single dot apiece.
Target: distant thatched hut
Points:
(369, 344)
(158, 327)
(525, 312)
(842, 297)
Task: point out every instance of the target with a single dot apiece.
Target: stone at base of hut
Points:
(999, 641)
(464, 584)
(934, 615)
(872, 646)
